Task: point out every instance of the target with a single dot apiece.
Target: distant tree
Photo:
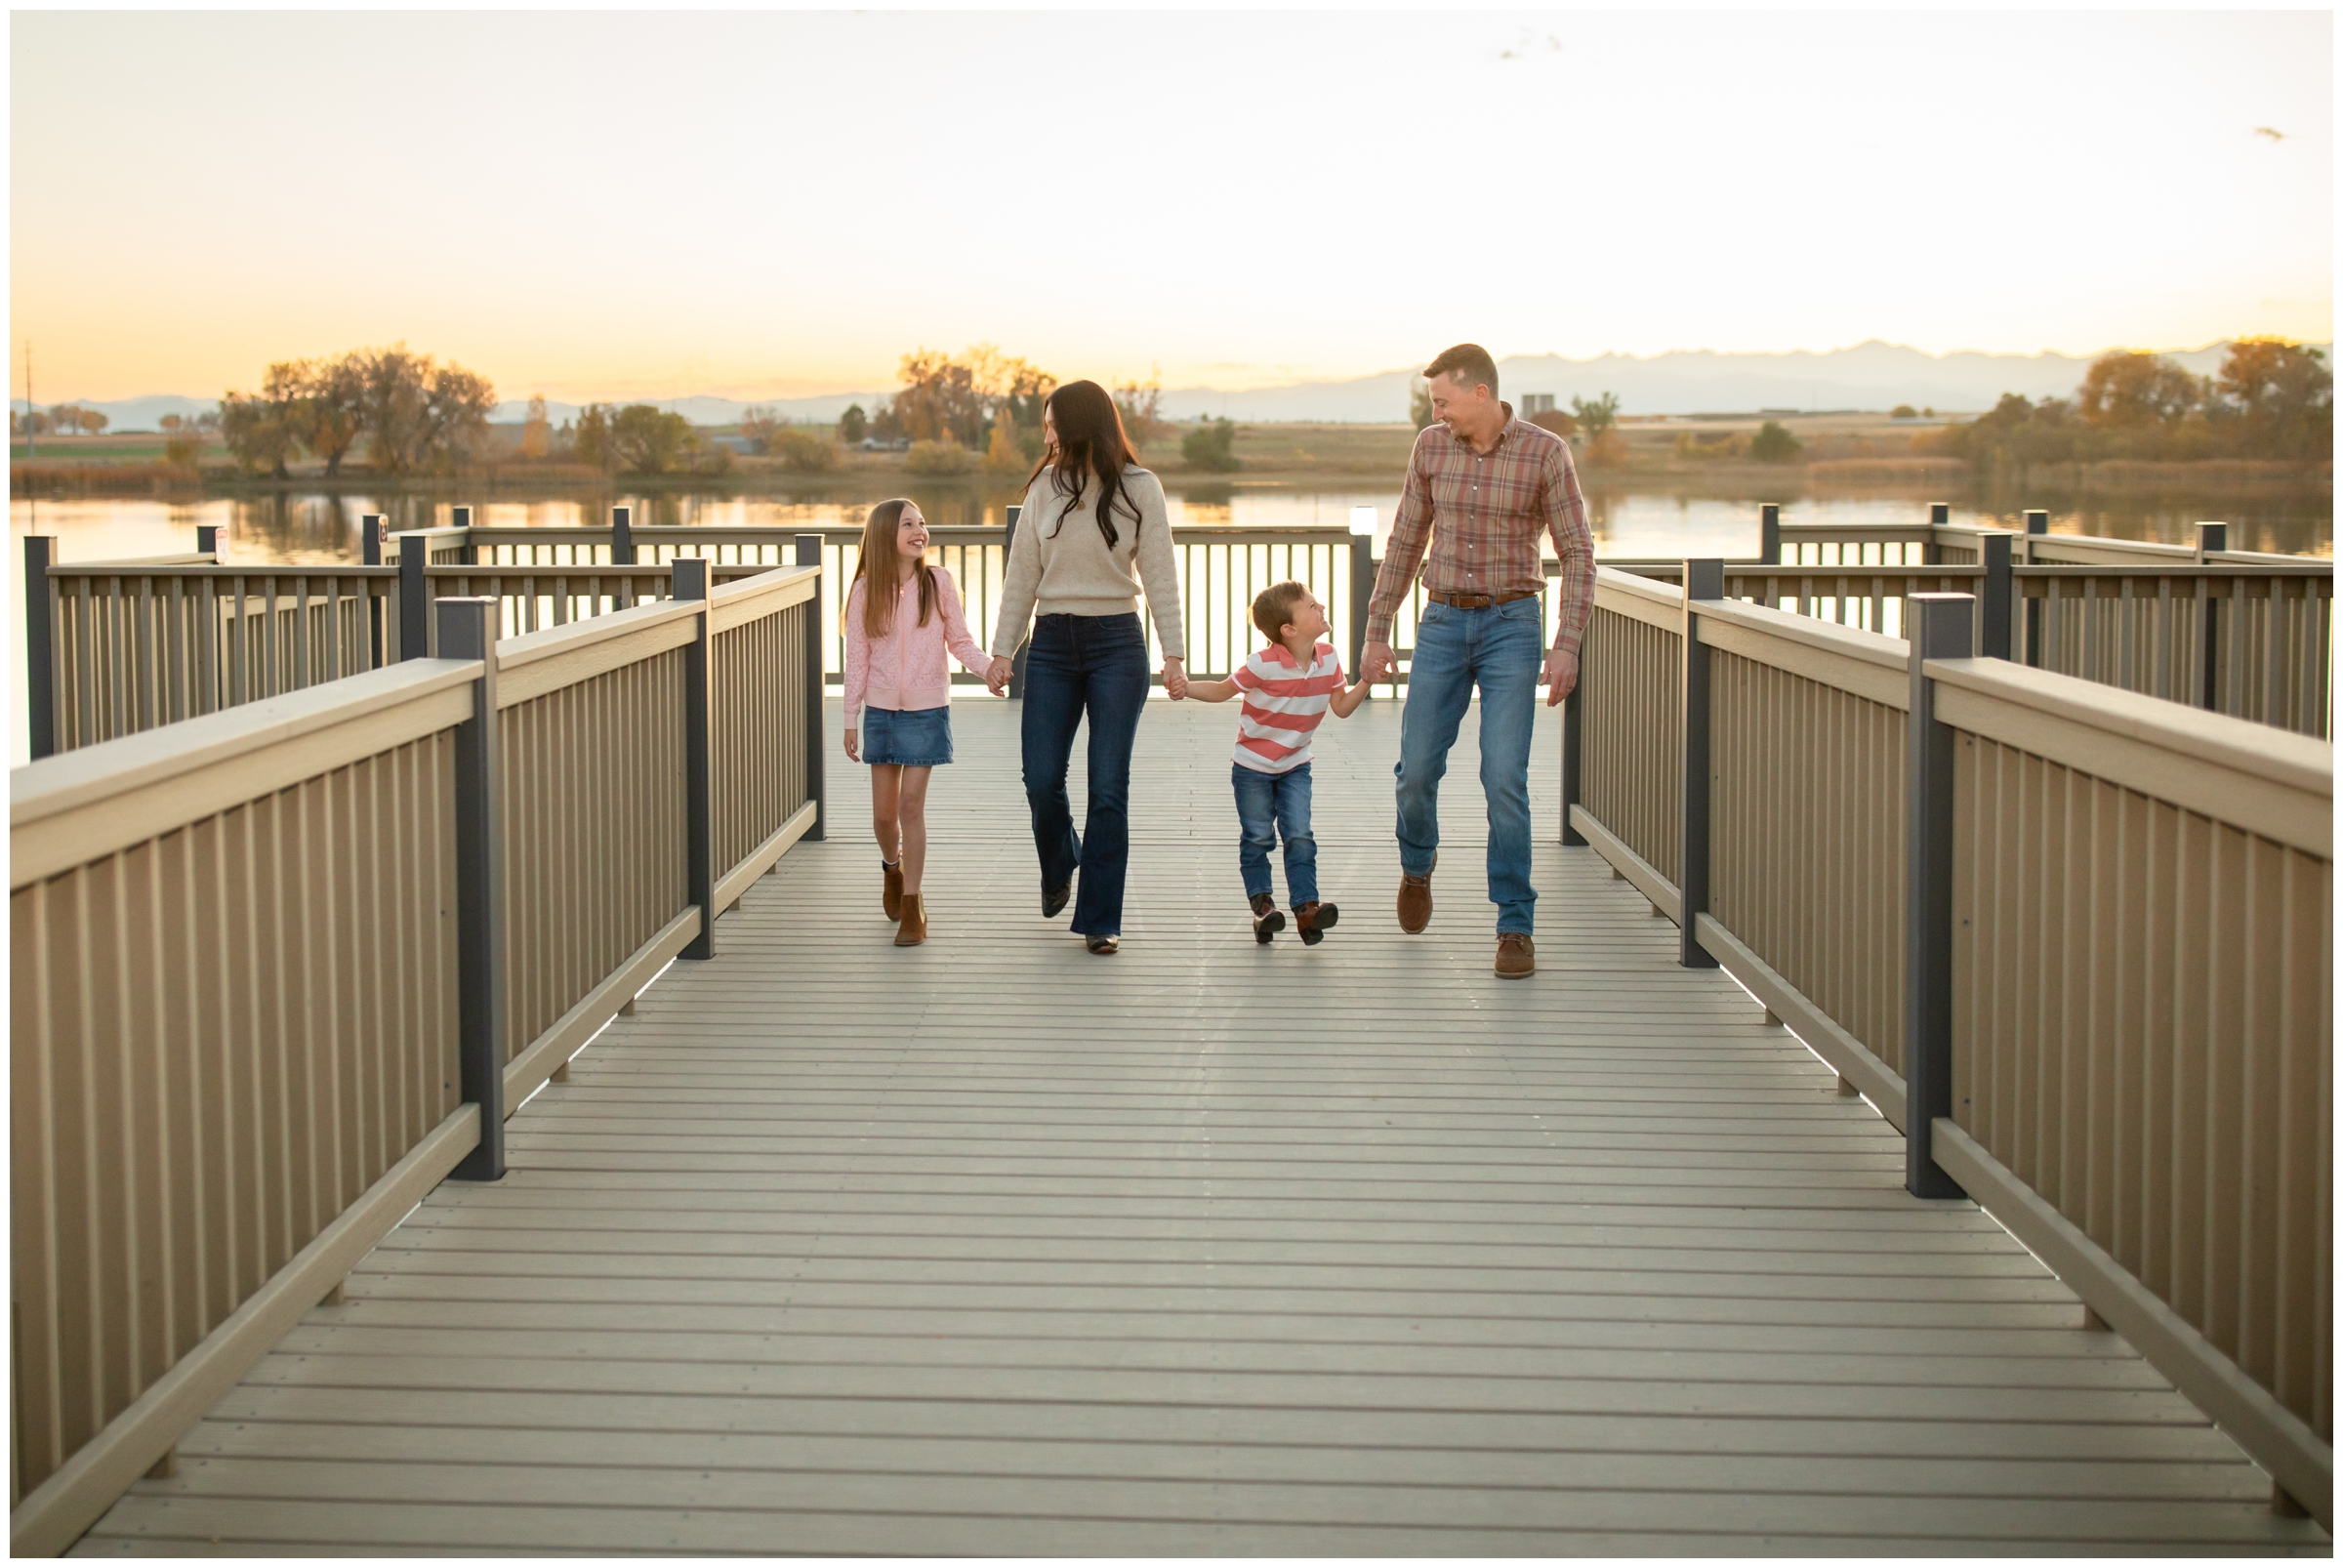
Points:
(650, 440)
(853, 426)
(887, 424)
(92, 422)
(419, 413)
(803, 451)
(330, 405)
(1211, 447)
(259, 433)
(939, 400)
(183, 447)
(1141, 406)
(1903, 411)
(2125, 390)
(1597, 417)
(2281, 396)
(537, 434)
(592, 437)
(939, 458)
(761, 426)
(65, 417)
(1004, 453)
(1773, 443)
(1420, 402)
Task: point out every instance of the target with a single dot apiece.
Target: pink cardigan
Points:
(905, 670)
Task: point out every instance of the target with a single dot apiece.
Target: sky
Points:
(613, 204)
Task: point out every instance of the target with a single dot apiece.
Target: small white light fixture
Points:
(1362, 521)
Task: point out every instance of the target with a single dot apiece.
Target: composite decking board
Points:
(1207, 1247)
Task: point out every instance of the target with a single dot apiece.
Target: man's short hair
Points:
(1469, 363)
(1273, 608)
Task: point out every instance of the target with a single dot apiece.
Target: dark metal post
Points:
(2210, 537)
(461, 517)
(40, 645)
(414, 600)
(207, 539)
(370, 554)
(1992, 606)
(1361, 589)
(1702, 580)
(817, 721)
(2038, 524)
(1939, 628)
(1574, 751)
(1940, 516)
(1016, 660)
(1769, 534)
(699, 773)
(621, 536)
(468, 631)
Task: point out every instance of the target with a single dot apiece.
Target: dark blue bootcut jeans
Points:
(1076, 665)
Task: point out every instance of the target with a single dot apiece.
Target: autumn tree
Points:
(2279, 395)
(2125, 390)
(853, 425)
(1596, 417)
(1004, 454)
(650, 440)
(760, 425)
(1211, 446)
(1142, 405)
(537, 432)
(332, 407)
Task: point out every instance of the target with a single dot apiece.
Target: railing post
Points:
(1573, 752)
(414, 600)
(2038, 524)
(1940, 516)
(207, 539)
(40, 645)
(461, 517)
(468, 631)
(1702, 580)
(1993, 622)
(817, 721)
(1016, 660)
(1769, 534)
(370, 553)
(1361, 589)
(699, 774)
(2210, 537)
(1937, 627)
(621, 536)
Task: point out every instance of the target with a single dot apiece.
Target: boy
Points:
(1287, 686)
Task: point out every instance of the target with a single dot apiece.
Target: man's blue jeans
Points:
(1270, 806)
(1077, 664)
(1501, 649)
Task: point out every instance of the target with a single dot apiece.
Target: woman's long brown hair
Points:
(1090, 440)
(879, 544)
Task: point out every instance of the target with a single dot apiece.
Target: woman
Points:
(1092, 516)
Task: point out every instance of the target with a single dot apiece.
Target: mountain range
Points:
(1871, 375)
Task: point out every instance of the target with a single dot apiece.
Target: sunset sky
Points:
(608, 204)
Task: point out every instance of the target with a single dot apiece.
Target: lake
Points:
(319, 528)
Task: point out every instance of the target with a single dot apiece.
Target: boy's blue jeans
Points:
(1271, 806)
(1501, 649)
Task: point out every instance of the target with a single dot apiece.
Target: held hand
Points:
(1176, 679)
(1377, 664)
(997, 674)
(1561, 675)
(853, 746)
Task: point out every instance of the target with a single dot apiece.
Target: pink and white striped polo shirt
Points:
(1283, 704)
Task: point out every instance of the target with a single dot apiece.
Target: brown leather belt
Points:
(1474, 602)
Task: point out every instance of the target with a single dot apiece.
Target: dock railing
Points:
(2075, 942)
(279, 970)
(117, 647)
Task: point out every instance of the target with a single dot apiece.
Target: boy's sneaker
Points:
(1315, 919)
(1268, 920)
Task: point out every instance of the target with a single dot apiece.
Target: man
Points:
(1481, 487)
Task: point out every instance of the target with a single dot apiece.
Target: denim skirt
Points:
(920, 737)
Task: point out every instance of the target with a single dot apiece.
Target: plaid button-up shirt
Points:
(1490, 507)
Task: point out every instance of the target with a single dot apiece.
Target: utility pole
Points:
(31, 439)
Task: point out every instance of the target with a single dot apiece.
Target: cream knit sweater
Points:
(1062, 564)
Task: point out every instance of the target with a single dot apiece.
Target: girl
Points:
(900, 615)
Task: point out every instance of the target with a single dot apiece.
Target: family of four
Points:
(1482, 489)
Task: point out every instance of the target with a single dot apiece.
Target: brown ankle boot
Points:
(1315, 919)
(892, 894)
(914, 929)
(1416, 898)
(1267, 919)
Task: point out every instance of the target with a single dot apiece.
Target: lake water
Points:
(321, 528)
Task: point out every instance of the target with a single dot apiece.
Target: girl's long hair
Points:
(1089, 441)
(879, 544)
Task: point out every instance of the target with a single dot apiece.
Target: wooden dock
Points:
(994, 1247)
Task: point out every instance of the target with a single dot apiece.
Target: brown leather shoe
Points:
(891, 895)
(1516, 956)
(914, 929)
(1267, 919)
(1315, 921)
(1415, 900)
